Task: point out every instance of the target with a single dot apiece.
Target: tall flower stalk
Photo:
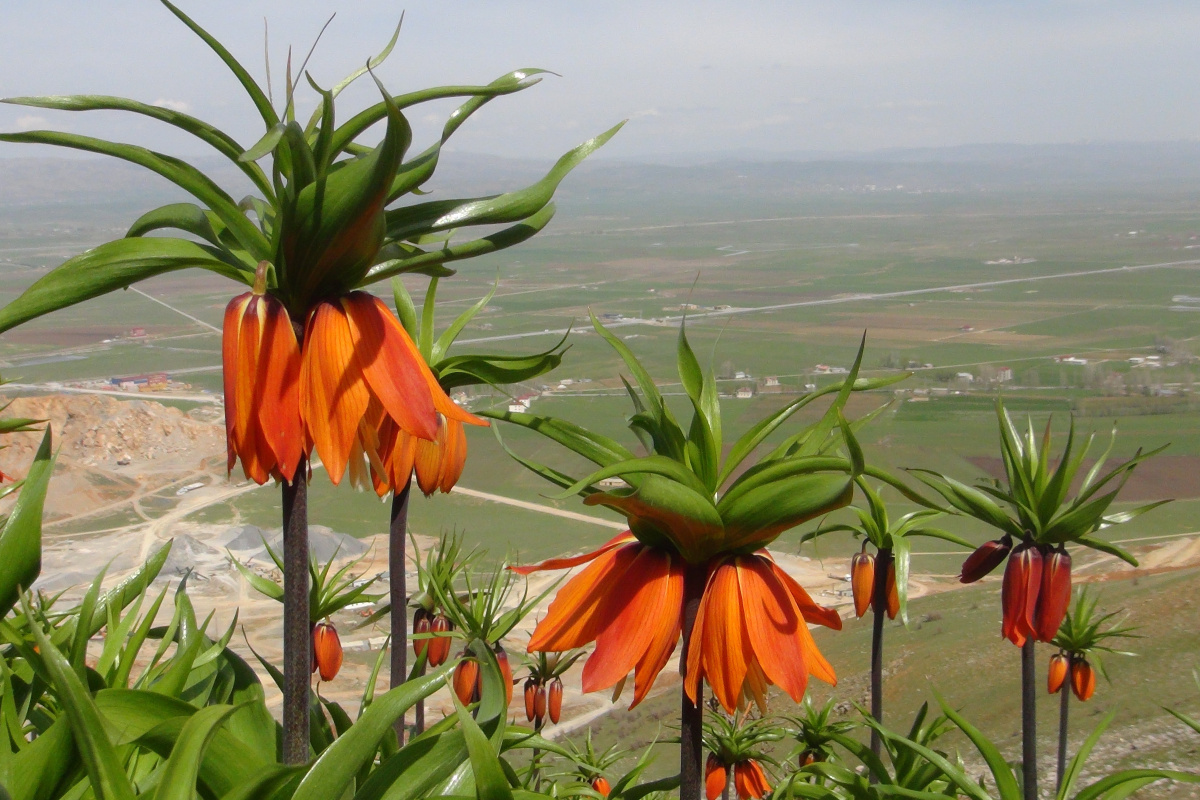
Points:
(693, 562)
(1037, 521)
(879, 581)
(1080, 642)
(314, 365)
(436, 464)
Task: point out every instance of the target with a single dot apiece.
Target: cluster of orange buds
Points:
(543, 700)
(326, 650)
(468, 683)
(1083, 676)
(426, 622)
(748, 778)
(862, 584)
(1036, 589)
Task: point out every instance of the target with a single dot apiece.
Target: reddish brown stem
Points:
(691, 743)
(297, 632)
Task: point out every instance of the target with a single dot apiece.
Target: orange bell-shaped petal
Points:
(327, 650)
(1083, 679)
(750, 633)
(1019, 593)
(715, 777)
(261, 364)
(629, 601)
(601, 786)
(862, 581)
(1055, 594)
(750, 780)
(1057, 673)
(360, 366)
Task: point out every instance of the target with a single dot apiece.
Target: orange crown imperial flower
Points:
(697, 526)
(751, 631)
(261, 360)
(749, 780)
(1055, 594)
(1019, 593)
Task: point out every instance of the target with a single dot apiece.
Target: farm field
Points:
(1087, 311)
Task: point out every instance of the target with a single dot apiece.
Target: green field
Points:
(642, 258)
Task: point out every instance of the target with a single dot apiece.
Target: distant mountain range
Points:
(44, 181)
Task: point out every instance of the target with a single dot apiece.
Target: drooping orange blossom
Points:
(697, 535)
(751, 630)
(357, 375)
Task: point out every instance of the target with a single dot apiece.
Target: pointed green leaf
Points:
(21, 537)
(431, 261)
(100, 759)
(111, 266)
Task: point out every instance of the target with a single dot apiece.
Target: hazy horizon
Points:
(697, 78)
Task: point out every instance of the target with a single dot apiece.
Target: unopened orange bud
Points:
(1055, 594)
(1057, 673)
(327, 650)
(439, 646)
(862, 581)
(505, 673)
(466, 675)
(531, 688)
(421, 624)
(600, 784)
(554, 700)
(539, 705)
(986, 558)
(1083, 679)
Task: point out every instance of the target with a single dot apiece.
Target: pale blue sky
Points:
(695, 76)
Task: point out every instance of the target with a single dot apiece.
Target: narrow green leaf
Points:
(442, 345)
(179, 172)
(99, 757)
(422, 218)
(111, 266)
(21, 537)
(336, 767)
(406, 312)
(430, 262)
(219, 140)
(257, 96)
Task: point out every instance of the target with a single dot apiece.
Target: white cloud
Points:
(29, 122)
(173, 105)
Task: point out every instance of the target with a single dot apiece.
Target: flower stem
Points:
(1062, 732)
(398, 590)
(879, 600)
(297, 629)
(691, 719)
(1029, 769)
